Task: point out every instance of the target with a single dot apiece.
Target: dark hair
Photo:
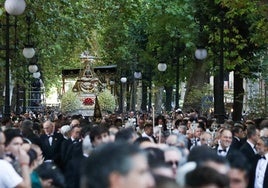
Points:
(141, 139)
(48, 170)
(164, 182)
(264, 124)
(148, 125)
(36, 127)
(155, 156)
(32, 155)
(204, 175)
(97, 130)
(27, 124)
(108, 158)
(85, 130)
(237, 128)
(125, 135)
(251, 130)
(10, 134)
(27, 128)
(202, 126)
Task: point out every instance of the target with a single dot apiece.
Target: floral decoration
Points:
(88, 101)
(106, 101)
(70, 102)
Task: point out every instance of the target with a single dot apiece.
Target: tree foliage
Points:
(142, 33)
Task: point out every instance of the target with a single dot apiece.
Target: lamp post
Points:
(123, 80)
(137, 76)
(28, 51)
(112, 83)
(162, 67)
(12, 7)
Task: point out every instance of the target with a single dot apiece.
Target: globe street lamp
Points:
(137, 76)
(12, 7)
(32, 68)
(201, 53)
(162, 67)
(123, 81)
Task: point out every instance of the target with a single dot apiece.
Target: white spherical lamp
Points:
(36, 74)
(137, 75)
(28, 52)
(201, 53)
(162, 67)
(15, 7)
(123, 80)
(33, 68)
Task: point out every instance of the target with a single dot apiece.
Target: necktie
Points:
(222, 150)
(263, 157)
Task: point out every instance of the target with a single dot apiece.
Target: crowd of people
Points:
(177, 150)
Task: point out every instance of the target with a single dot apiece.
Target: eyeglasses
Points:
(171, 163)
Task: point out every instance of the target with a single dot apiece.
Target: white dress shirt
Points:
(221, 151)
(260, 172)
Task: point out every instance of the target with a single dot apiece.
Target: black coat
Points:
(248, 152)
(236, 143)
(69, 149)
(72, 171)
(253, 172)
(52, 152)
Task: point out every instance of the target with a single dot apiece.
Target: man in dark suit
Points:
(248, 148)
(72, 172)
(238, 136)
(69, 145)
(51, 143)
(259, 172)
(149, 132)
(223, 148)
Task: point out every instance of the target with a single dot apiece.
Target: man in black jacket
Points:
(248, 148)
(51, 143)
(224, 147)
(259, 172)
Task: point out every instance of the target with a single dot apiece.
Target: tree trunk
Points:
(238, 97)
(168, 98)
(144, 96)
(196, 82)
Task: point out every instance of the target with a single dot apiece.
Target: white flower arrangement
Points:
(106, 101)
(70, 102)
